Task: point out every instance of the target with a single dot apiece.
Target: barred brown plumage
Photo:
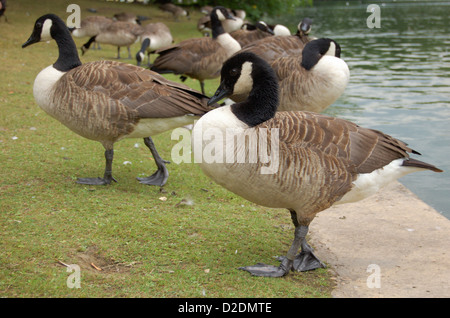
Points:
(317, 161)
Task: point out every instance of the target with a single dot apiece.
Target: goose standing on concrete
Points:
(273, 47)
(311, 81)
(155, 36)
(306, 163)
(199, 58)
(118, 33)
(107, 101)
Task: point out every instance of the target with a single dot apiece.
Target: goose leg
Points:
(107, 177)
(118, 52)
(159, 178)
(304, 261)
(129, 53)
(287, 262)
(202, 86)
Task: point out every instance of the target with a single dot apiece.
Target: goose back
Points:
(273, 47)
(245, 37)
(119, 33)
(91, 26)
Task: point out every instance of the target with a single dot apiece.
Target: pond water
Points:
(400, 78)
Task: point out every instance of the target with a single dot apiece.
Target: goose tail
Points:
(420, 164)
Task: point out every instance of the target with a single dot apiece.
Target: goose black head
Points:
(43, 29)
(261, 25)
(248, 74)
(314, 50)
(48, 27)
(221, 13)
(304, 27)
(243, 72)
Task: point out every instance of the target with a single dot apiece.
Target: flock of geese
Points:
(278, 84)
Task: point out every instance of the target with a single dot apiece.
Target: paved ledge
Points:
(393, 232)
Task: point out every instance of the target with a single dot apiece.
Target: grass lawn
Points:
(129, 240)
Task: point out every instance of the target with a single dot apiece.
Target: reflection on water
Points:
(400, 78)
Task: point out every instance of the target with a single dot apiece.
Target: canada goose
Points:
(3, 9)
(91, 26)
(130, 17)
(175, 10)
(235, 24)
(117, 33)
(279, 29)
(273, 47)
(311, 161)
(199, 58)
(107, 101)
(229, 25)
(155, 36)
(248, 34)
(312, 80)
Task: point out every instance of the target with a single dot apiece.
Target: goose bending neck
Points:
(68, 55)
(262, 102)
(216, 26)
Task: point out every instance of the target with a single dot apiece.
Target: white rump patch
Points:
(368, 184)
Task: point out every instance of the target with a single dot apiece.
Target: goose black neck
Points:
(313, 52)
(262, 102)
(216, 26)
(145, 44)
(68, 55)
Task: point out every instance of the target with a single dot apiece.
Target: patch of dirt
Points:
(93, 261)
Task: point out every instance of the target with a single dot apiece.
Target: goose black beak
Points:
(221, 92)
(31, 40)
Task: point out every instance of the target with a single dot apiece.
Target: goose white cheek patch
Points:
(244, 84)
(45, 33)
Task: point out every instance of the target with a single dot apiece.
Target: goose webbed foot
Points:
(305, 261)
(96, 181)
(264, 270)
(159, 178)
(107, 177)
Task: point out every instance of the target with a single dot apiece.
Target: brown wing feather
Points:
(364, 149)
(142, 91)
(199, 58)
(274, 47)
(245, 37)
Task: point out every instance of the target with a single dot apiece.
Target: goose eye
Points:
(38, 25)
(234, 72)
